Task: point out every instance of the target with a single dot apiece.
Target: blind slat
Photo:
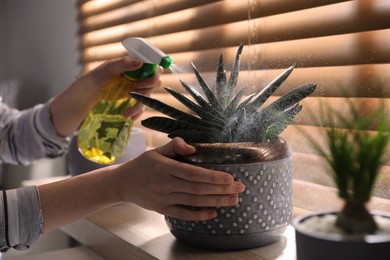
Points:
(133, 12)
(327, 20)
(371, 80)
(90, 8)
(299, 143)
(223, 12)
(347, 49)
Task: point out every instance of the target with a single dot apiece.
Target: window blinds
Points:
(343, 46)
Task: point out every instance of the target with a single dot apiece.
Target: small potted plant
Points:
(355, 156)
(233, 132)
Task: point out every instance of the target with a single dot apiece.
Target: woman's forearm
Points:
(69, 108)
(77, 197)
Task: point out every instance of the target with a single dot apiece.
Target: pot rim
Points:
(366, 238)
(238, 153)
(278, 139)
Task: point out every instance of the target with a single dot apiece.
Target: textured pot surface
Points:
(322, 246)
(265, 207)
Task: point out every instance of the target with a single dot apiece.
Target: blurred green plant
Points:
(355, 149)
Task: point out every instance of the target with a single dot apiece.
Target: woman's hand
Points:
(157, 182)
(70, 107)
(102, 74)
(154, 181)
(145, 87)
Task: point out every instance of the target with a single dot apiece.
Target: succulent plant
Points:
(225, 115)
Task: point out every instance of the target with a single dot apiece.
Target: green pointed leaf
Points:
(242, 118)
(221, 83)
(201, 101)
(234, 74)
(229, 111)
(243, 129)
(267, 91)
(256, 125)
(206, 90)
(184, 100)
(168, 125)
(246, 100)
(282, 120)
(196, 95)
(192, 136)
(229, 133)
(204, 114)
(166, 109)
(291, 98)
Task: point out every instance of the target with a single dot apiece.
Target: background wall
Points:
(38, 47)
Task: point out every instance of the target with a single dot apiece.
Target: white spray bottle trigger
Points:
(151, 55)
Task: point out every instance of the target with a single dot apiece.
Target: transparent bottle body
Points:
(104, 134)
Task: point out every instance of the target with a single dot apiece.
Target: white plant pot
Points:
(333, 245)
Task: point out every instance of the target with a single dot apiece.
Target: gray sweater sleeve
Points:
(28, 135)
(25, 136)
(21, 222)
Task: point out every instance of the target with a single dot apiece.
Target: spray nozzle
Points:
(151, 55)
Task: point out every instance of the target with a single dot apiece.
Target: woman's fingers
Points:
(203, 200)
(176, 147)
(202, 188)
(144, 87)
(190, 172)
(135, 112)
(109, 69)
(198, 174)
(147, 85)
(163, 184)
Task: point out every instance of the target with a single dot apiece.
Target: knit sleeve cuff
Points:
(23, 221)
(55, 145)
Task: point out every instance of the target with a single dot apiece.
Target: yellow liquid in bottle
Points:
(104, 134)
(103, 139)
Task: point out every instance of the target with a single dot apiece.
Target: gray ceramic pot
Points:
(265, 207)
(324, 246)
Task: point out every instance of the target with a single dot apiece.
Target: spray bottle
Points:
(104, 134)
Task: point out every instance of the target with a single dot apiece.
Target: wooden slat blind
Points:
(343, 46)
